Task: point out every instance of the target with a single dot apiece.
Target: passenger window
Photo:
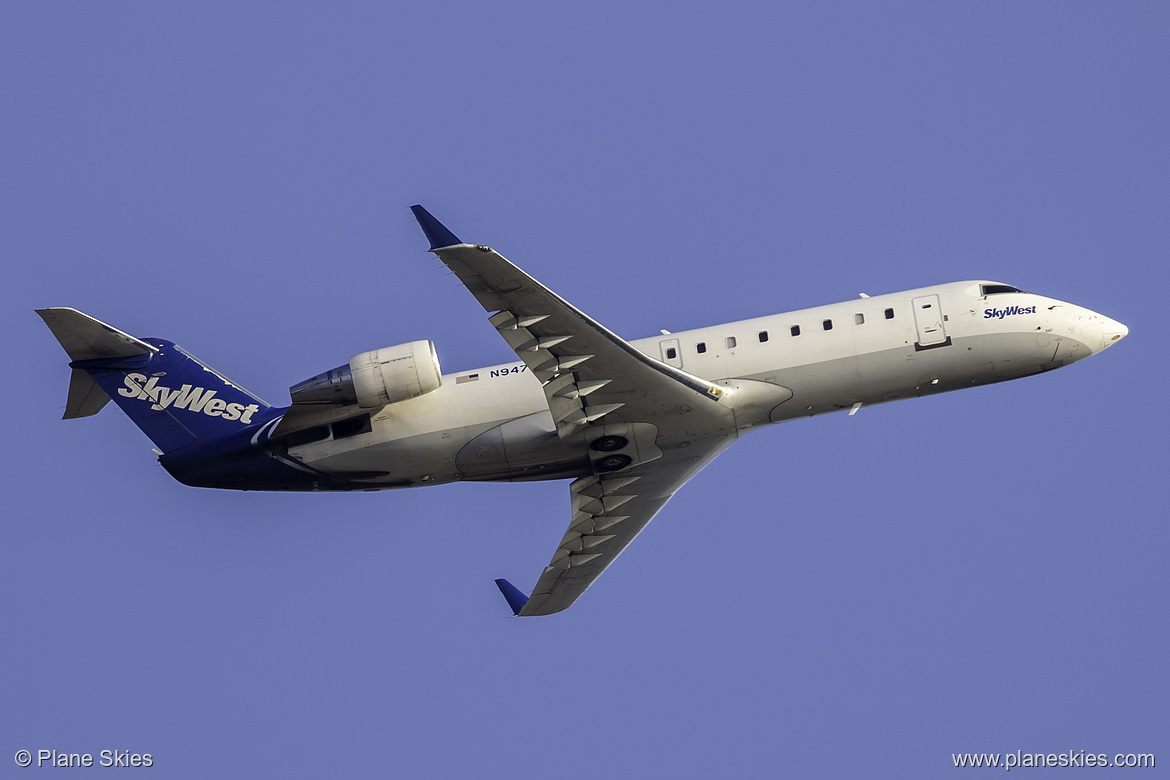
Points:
(827, 324)
(889, 314)
(671, 353)
(701, 347)
(795, 330)
(730, 341)
(858, 319)
(763, 336)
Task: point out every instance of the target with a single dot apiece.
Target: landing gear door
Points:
(928, 319)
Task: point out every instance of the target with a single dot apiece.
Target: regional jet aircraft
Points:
(629, 422)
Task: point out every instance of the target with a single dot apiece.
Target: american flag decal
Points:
(466, 378)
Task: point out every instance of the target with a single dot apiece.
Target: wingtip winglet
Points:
(513, 595)
(436, 232)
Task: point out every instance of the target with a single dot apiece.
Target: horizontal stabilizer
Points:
(515, 597)
(86, 396)
(171, 396)
(85, 338)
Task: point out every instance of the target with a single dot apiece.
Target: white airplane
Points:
(628, 421)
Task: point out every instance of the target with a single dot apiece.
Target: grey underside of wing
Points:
(608, 513)
(595, 382)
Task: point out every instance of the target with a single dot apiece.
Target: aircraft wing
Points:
(587, 370)
(651, 424)
(608, 513)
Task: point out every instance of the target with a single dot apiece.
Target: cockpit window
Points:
(997, 289)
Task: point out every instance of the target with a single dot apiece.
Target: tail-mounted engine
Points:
(374, 379)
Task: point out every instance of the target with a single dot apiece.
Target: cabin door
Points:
(928, 319)
(671, 354)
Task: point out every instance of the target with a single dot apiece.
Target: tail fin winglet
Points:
(513, 595)
(436, 232)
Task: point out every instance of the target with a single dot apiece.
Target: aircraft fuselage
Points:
(494, 424)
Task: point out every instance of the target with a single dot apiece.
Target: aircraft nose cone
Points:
(1113, 332)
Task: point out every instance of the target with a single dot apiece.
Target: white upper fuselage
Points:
(493, 423)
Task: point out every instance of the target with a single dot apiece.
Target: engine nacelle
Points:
(374, 379)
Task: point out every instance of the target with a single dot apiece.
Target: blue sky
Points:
(983, 571)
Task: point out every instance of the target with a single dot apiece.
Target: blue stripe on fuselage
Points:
(243, 460)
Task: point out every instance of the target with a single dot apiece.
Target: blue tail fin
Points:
(175, 399)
